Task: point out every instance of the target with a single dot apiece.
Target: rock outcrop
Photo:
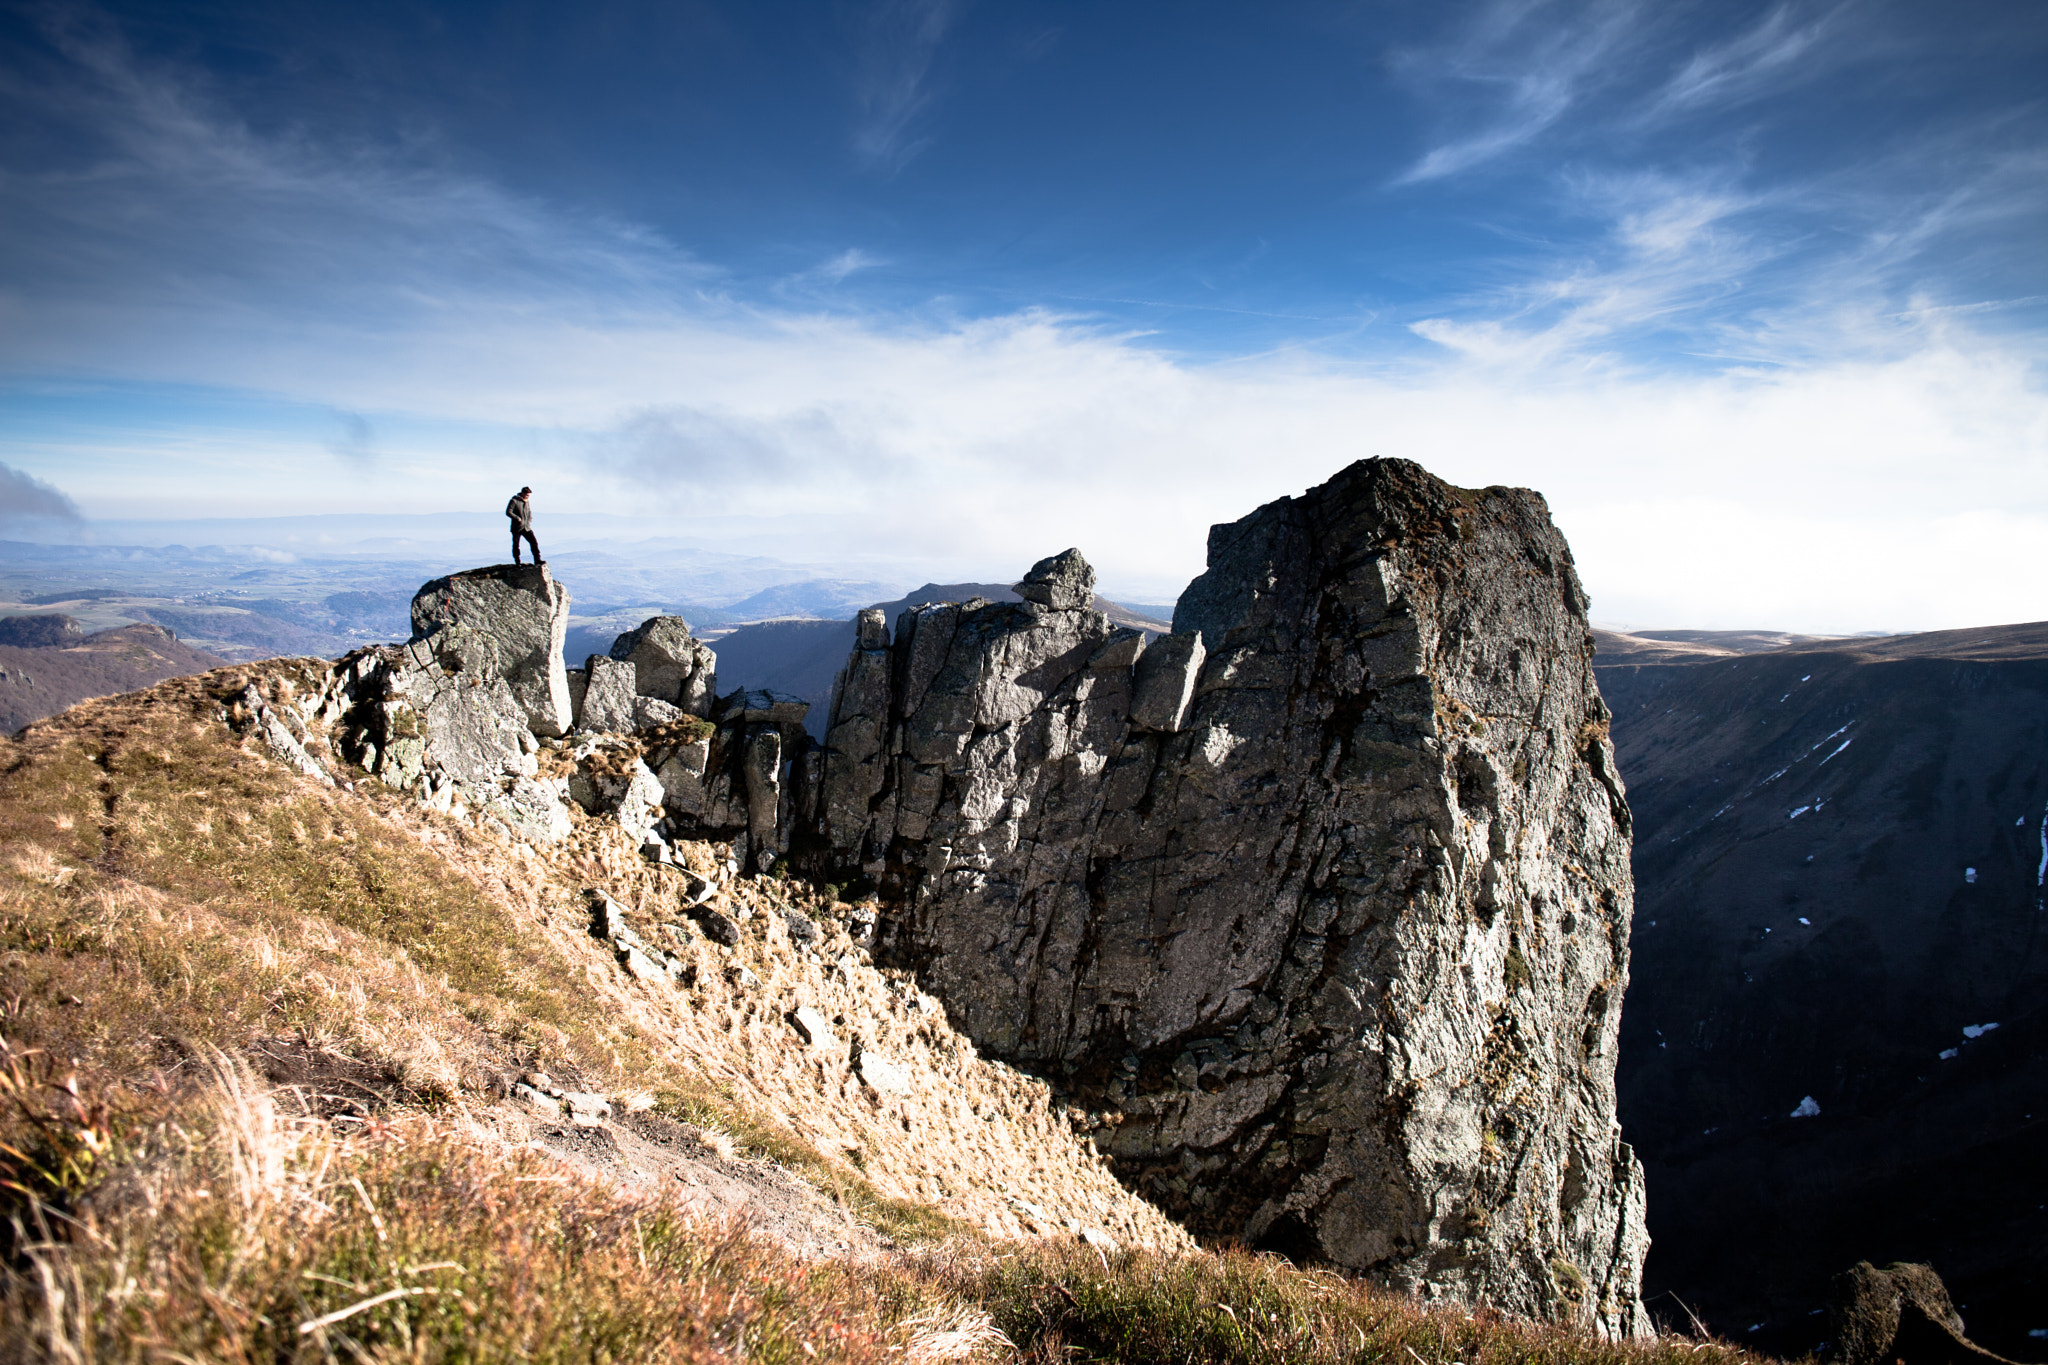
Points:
(519, 616)
(1901, 1313)
(669, 665)
(453, 715)
(1321, 903)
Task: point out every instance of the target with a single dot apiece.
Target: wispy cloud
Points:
(1779, 47)
(1512, 73)
(897, 42)
(354, 440)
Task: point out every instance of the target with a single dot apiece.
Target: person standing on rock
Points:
(520, 509)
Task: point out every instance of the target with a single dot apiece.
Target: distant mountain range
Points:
(1835, 1044)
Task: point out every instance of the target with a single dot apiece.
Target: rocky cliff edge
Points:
(1319, 906)
(1315, 911)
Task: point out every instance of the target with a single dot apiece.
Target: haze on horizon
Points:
(1752, 292)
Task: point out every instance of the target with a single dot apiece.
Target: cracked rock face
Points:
(1323, 901)
(669, 664)
(524, 613)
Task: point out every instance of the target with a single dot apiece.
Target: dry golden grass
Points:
(239, 1234)
(170, 898)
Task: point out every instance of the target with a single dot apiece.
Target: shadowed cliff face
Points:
(1322, 901)
(1841, 855)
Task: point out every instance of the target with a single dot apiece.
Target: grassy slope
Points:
(168, 894)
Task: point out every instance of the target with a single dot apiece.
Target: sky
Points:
(1754, 293)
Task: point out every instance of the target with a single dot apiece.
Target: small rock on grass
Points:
(584, 1104)
(883, 1074)
(535, 1100)
(813, 1026)
(717, 927)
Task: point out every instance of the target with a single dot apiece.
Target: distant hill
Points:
(804, 657)
(1840, 862)
(1689, 646)
(41, 680)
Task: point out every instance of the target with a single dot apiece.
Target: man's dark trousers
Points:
(519, 534)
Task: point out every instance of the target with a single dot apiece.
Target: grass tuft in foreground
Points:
(234, 1233)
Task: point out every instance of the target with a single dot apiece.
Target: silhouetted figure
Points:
(520, 509)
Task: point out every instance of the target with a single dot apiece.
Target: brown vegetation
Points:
(177, 909)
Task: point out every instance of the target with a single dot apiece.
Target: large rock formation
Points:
(452, 716)
(1323, 901)
(520, 617)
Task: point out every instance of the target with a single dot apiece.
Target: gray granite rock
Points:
(1164, 687)
(437, 718)
(813, 1028)
(761, 706)
(1331, 911)
(608, 698)
(613, 781)
(1064, 582)
(524, 615)
(717, 927)
(672, 666)
(651, 713)
(681, 770)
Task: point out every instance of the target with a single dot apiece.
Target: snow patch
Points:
(1969, 876)
(1977, 1030)
(1797, 813)
(1805, 921)
(1807, 1109)
(1949, 1054)
(1845, 744)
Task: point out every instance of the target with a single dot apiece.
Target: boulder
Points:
(884, 1075)
(813, 1028)
(1325, 896)
(524, 614)
(1164, 686)
(1900, 1313)
(608, 698)
(762, 706)
(650, 713)
(681, 771)
(671, 665)
(1064, 582)
(717, 927)
(437, 718)
(615, 782)
(855, 763)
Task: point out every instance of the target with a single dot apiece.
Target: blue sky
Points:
(1754, 293)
